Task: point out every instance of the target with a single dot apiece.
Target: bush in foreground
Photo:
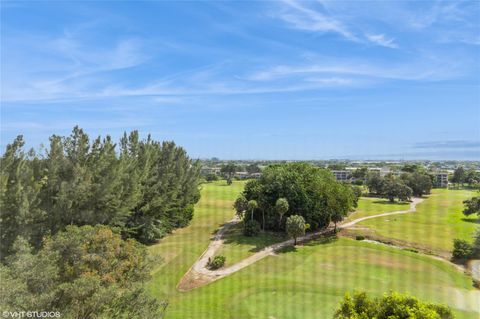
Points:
(392, 305)
(216, 262)
(84, 272)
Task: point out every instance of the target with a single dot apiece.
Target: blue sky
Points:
(249, 80)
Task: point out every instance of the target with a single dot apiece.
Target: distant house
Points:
(242, 175)
(440, 180)
(210, 171)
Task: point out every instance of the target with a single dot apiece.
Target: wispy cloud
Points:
(382, 40)
(314, 17)
(304, 18)
(422, 69)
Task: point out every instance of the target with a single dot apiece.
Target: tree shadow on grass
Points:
(324, 240)
(471, 220)
(287, 249)
(387, 202)
(235, 236)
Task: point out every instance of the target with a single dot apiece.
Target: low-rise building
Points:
(341, 175)
(440, 180)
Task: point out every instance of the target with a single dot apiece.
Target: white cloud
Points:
(382, 40)
(304, 18)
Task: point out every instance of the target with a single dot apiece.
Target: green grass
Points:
(368, 206)
(308, 282)
(238, 246)
(436, 223)
(182, 248)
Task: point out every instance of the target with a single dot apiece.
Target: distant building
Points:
(341, 175)
(241, 175)
(440, 180)
(210, 171)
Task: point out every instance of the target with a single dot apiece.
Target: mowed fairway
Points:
(237, 246)
(310, 281)
(368, 206)
(436, 223)
(180, 249)
(306, 282)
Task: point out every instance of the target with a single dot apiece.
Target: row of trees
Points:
(83, 272)
(295, 189)
(402, 187)
(461, 176)
(144, 188)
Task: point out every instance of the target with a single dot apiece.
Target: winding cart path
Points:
(199, 275)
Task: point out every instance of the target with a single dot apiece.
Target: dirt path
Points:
(474, 267)
(199, 274)
(413, 208)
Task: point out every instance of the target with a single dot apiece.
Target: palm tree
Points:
(252, 205)
(281, 207)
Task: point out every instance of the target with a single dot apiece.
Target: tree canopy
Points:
(144, 187)
(472, 206)
(392, 187)
(82, 272)
(310, 192)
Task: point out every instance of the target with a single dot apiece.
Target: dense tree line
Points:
(295, 189)
(402, 187)
(83, 272)
(144, 188)
(461, 176)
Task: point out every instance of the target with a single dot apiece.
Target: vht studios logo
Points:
(31, 314)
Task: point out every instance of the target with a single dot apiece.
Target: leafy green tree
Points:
(360, 173)
(143, 187)
(391, 306)
(421, 184)
(241, 206)
(458, 175)
(394, 188)
(311, 192)
(228, 170)
(295, 227)
(281, 207)
(472, 206)
(472, 177)
(374, 183)
(84, 272)
(253, 168)
(357, 193)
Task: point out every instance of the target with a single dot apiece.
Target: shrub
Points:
(216, 262)
(391, 305)
(360, 237)
(462, 249)
(252, 228)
